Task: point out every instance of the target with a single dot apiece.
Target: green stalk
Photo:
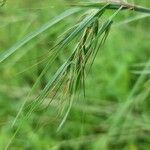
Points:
(116, 5)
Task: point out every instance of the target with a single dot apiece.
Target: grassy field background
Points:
(114, 114)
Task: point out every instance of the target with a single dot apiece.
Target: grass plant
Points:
(90, 34)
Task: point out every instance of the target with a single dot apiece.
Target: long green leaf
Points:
(35, 33)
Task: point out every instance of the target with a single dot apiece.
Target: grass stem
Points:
(116, 5)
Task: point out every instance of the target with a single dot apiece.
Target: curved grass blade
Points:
(35, 33)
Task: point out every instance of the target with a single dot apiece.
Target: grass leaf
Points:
(4, 55)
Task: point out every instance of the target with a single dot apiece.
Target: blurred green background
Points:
(114, 114)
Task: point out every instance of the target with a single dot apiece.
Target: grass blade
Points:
(35, 33)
